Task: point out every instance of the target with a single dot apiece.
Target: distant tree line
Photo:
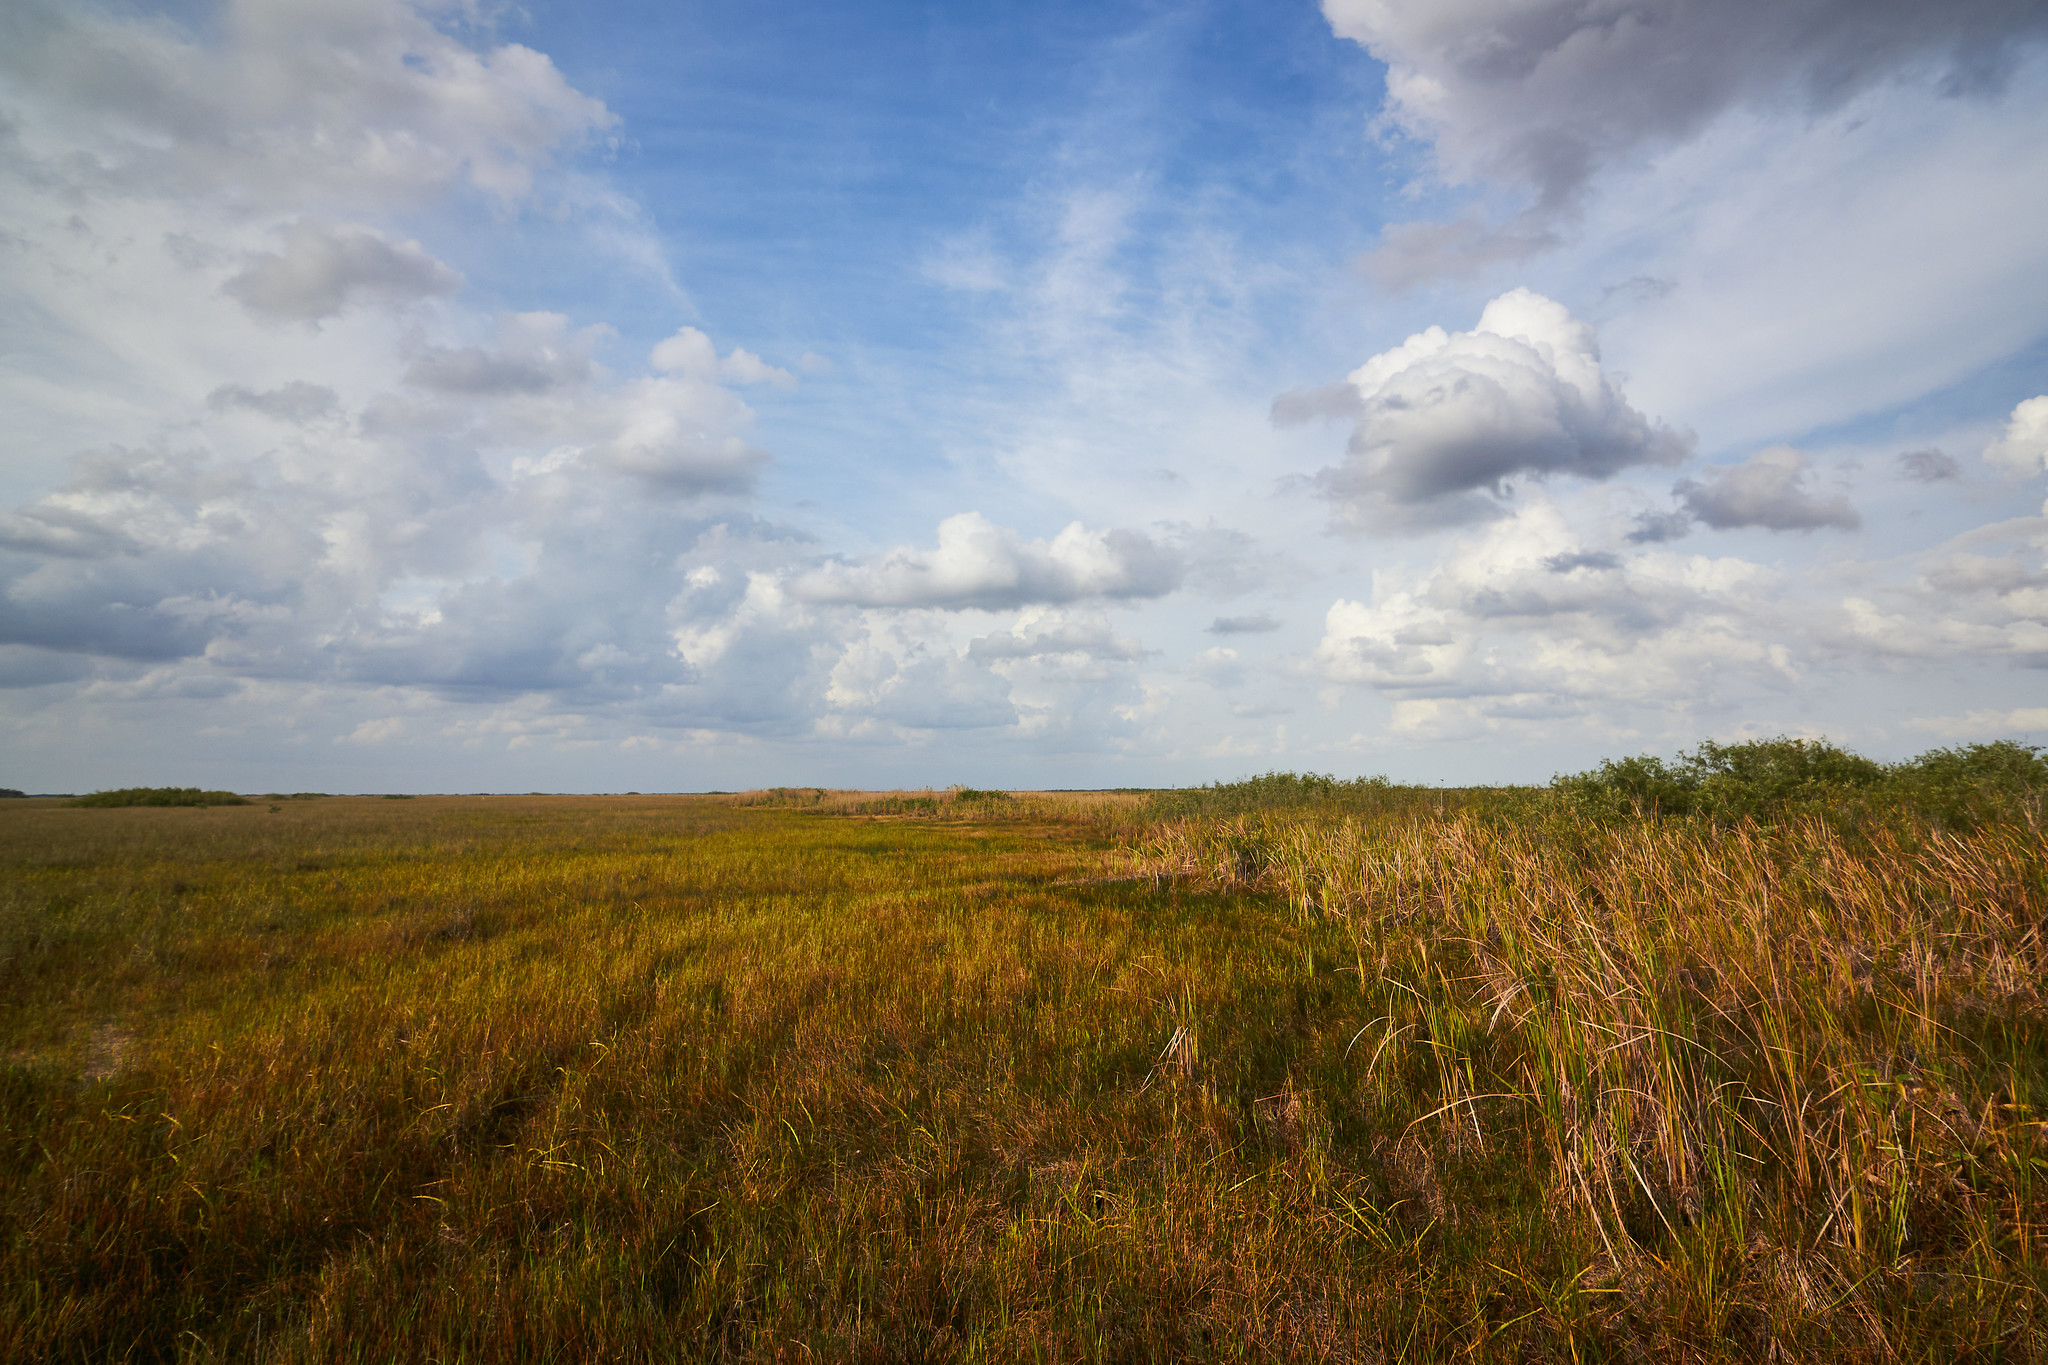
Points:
(159, 796)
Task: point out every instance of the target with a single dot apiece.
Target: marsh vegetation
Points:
(1291, 1069)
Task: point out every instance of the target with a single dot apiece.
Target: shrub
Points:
(1974, 783)
(159, 796)
(1629, 786)
(1270, 791)
(1757, 780)
(1767, 779)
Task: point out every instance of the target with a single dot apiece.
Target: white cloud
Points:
(1526, 611)
(1928, 466)
(323, 269)
(1541, 94)
(689, 352)
(1446, 417)
(381, 731)
(309, 102)
(978, 564)
(1962, 602)
(535, 391)
(1523, 626)
(1768, 490)
(898, 673)
(2023, 449)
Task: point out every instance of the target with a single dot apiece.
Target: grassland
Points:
(816, 1075)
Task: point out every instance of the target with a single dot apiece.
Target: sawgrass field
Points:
(1289, 1069)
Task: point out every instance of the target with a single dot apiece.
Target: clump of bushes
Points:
(1765, 779)
(1270, 791)
(159, 796)
(975, 794)
(1974, 783)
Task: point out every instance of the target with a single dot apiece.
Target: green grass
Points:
(849, 1077)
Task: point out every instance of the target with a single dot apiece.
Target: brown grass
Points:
(683, 1078)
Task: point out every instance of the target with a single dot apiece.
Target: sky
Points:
(454, 396)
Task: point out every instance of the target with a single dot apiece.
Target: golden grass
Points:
(1788, 1079)
(690, 1078)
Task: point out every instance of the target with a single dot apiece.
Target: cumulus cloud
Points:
(323, 269)
(1982, 595)
(1768, 490)
(1928, 466)
(377, 499)
(1540, 94)
(1657, 528)
(381, 546)
(536, 389)
(690, 352)
(890, 675)
(978, 564)
(1526, 616)
(1575, 561)
(1524, 620)
(1448, 416)
(1243, 625)
(287, 104)
(656, 441)
(2023, 449)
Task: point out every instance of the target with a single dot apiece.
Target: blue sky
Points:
(439, 396)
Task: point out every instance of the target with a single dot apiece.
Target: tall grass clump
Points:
(1780, 1080)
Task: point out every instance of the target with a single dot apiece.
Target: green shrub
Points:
(1767, 779)
(1974, 783)
(1619, 787)
(1269, 791)
(159, 796)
